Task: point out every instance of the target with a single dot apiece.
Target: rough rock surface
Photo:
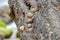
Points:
(45, 20)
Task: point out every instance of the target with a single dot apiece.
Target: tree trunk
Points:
(37, 19)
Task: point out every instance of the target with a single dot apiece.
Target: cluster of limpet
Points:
(30, 21)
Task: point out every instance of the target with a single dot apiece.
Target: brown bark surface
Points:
(37, 19)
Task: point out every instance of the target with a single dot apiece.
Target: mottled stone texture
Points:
(37, 19)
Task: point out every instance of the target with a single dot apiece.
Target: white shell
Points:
(22, 28)
(29, 20)
(33, 9)
(29, 25)
(30, 14)
(30, 29)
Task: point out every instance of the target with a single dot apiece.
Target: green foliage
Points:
(17, 34)
(2, 24)
(7, 33)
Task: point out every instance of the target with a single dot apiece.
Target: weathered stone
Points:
(45, 22)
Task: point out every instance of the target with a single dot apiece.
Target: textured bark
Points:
(37, 19)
